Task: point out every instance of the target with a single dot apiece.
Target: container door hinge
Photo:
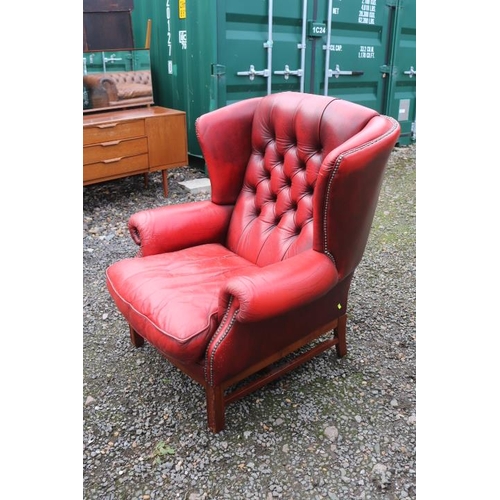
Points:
(218, 70)
(385, 70)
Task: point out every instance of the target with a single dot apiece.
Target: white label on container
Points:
(169, 34)
(367, 12)
(366, 52)
(404, 109)
(183, 39)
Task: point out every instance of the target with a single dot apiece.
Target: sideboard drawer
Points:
(114, 149)
(112, 131)
(114, 168)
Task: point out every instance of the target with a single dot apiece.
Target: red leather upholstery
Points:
(231, 284)
(172, 298)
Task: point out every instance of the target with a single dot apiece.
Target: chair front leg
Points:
(215, 408)
(135, 338)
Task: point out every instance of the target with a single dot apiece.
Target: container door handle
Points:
(287, 72)
(252, 73)
(338, 72)
(411, 72)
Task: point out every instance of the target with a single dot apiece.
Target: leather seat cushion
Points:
(172, 298)
(131, 90)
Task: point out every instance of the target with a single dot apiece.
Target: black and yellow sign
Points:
(182, 9)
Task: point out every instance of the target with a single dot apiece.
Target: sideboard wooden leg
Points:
(165, 182)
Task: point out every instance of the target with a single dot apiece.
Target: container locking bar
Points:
(266, 73)
(302, 45)
(327, 47)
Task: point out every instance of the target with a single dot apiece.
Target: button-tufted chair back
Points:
(273, 215)
(291, 135)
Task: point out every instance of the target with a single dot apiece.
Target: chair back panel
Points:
(273, 215)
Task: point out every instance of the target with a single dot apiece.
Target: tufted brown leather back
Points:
(130, 77)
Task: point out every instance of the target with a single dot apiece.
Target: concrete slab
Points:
(195, 186)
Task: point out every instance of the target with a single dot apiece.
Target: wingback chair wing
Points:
(256, 280)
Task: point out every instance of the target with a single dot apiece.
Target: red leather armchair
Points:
(228, 287)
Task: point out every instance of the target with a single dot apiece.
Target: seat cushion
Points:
(132, 90)
(171, 299)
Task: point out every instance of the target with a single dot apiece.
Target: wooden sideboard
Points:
(133, 141)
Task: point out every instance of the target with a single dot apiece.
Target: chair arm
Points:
(269, 291)
(92, 80)
(173, 227)
(98, 95)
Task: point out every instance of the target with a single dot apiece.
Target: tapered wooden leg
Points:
(164, 179)
(340, 334)
(135, 338)
(215, 408)
(146, 180)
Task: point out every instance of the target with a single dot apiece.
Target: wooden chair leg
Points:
(340, 334)
(135, 338)
(164, 179)
(215, 408)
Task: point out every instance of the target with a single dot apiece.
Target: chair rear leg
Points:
(340, 334)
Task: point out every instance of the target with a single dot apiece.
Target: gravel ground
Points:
(336, 429)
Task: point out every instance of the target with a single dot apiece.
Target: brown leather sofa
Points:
(121, 89)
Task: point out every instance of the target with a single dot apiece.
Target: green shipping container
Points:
(207, 54)
(402, 86)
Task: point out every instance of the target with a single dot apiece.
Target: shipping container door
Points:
(195, 43)
(259, 49)
(242, 29)
(401, 102)
(355, 66)
(289, 53)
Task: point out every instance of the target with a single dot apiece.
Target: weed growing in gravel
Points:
(161, 449)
